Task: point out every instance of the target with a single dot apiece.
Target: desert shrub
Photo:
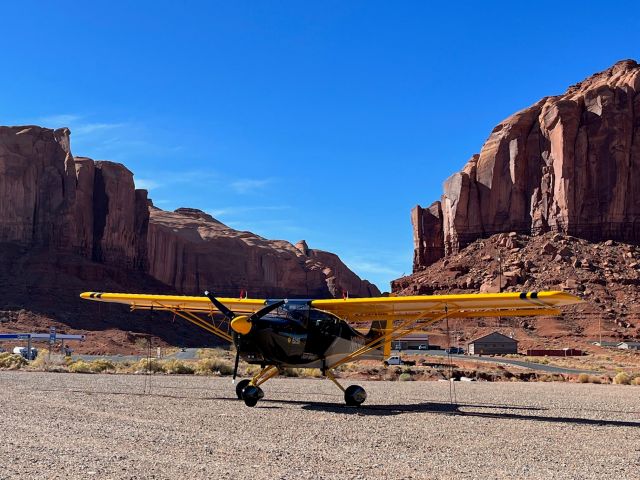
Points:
(249, 370)
(214, 366)
(80, 366)
(212, 353)
(621, 379)
(10, 361)
(404, 377)
(101, 365)
(148, 365)
(594, 379)
(635, 381)
(583, 378)
(178, 367)
(301, 372)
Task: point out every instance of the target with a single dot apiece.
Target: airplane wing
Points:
(395, 317)
(197, 310)
(170, 302)
(427, 307)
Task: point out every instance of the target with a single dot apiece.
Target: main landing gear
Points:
(250, 391)
(354, 395)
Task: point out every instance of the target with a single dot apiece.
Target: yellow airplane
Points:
(281, 333)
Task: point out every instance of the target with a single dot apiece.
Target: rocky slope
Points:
(69, 224)
(569, 164)
(605, 274)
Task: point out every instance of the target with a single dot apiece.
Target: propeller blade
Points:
(264, 311)
(229, 315)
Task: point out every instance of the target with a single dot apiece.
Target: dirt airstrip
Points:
(126, 426)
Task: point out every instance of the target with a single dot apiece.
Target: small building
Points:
(629, 345)
(557, 352)
(411, 342)
(493, 344)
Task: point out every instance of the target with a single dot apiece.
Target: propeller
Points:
(241, 324)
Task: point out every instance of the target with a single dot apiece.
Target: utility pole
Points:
(600, 328)
(500, 283)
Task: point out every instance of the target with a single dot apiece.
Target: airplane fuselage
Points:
(302, 337)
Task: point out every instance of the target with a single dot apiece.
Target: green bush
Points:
(10, 361)
(405, 377)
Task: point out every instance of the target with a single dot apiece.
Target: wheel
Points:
(251, 394)
(386, 364)
(355, 395)
(241, 386)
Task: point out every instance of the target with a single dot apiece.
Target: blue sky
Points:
(326, 121)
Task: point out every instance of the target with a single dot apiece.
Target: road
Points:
(506, 361)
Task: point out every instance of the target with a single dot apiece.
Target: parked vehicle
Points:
(455, 350)
(423, 346)
(23, 351)
(397, 360)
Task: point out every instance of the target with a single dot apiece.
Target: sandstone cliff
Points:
(192, 251)
(51, 201)
(569, 164)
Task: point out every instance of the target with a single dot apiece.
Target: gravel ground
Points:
(70, 426)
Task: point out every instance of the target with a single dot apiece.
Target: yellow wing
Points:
(175, 302)
(396, 316)
(197, 310)
(464, 305)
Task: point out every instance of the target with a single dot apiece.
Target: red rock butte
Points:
(54, 202)
(569, 164)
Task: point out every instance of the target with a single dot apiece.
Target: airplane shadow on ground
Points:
(513, 413)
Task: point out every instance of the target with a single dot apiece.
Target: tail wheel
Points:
(241, 386)
(355, 395)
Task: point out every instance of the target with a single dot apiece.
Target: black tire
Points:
(241, 386)
(251, 394)
(355, 395)
(386, 364)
